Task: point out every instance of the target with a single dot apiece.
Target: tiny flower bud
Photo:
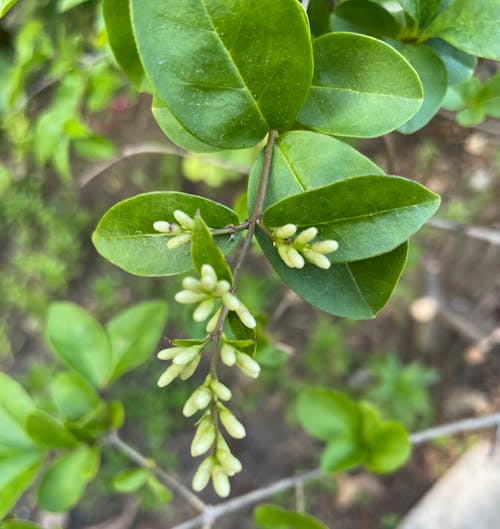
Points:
(295, 258)
(168, 375)
(228, 354)
(231, 301)
(203, 439)
(328, 246)
(246, 318)
(232, 425)
(317, 259)
(178, 241)
(220, 482)
(187, 297)
(183, 219)
(213, 321)
(222, 391)
(222, 287)
(168, 354)
(199, 400)
(285, 231)
(190, 368)
(229, 464)
(190, 283)
(202, 475)
(166, 227)
(186, 355)
(203, 310)
(306, 236)
(248, 365)
(283, 250)
(208, 275)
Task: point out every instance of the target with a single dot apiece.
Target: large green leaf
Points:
(304, 160)
(367, 215)
(121, 38)
(5, 5)
(229, 70)
(65, 480)
(48, 431)
(273, 517)
(469, 25)
(134, 334)
(125, 235)
(434, 77)
(362, 87)
(15, 407)
(73, 396)
(17, 471)
(80, 342)
(459, 65)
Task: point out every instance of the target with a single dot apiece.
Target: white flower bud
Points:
(228, 354)
(220, 482)
(327, 246)
(213, 321)
(168, 354)
(295, 258)
(202, 475)
(187, 355)
(190, 283)
(183, 219)
(222, 287)
(168, 375)
(247, 364)
(187, 297)
(166, 227)
(199, 400)
(203, 310)
(306, 236)
(229, 464)
(232, 425)
(221, 390)
(208, 276)
(203, 438)
(178, 241)
(231, 301)
(286, 231)
(190, 368)
(283, 250)
(246, 318)
(317, 259)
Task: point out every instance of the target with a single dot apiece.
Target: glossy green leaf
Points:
(421, 11)
(319, 14)
(121, 38)
(131, 480)
(229, 70)
(325, 414)
(65, 480)
(174, 131)
(80, 342)
(364, 16)
(205, 251)
(305, 160)
(15, 407)
(134, 334)
(242, 334)
(73, 396)
(17, 471)
(367, 215)
(341, 453)
(125, 235)
(459, 65)
(48, 431)
(273, 517)
(5, 5)
(489, 96)
(434, 77)
(470, 26)
(362, 87)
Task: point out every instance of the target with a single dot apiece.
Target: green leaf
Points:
(19, 524)
(15, 407)
(470, 26)
(5, 5)
(304, 160)
(65, 480)
(362, 87)
(131, 480)
(66, 5)
(205, 251)
(134, 334)
(94, 147)
(319, 14)
(73, 396)
(17, 471)
(80, 342)
(367, 215)
(434, 77)
(247, 337)
(174, 131)
(48, 431)
(470, 117)
(364, 16)
(229, 70)
(160, 494)
(489, 96)
(421, 11)
(459, 65)
(273, 517)
(125, 235)
(342, 453)
(121, 38)
(325, 414)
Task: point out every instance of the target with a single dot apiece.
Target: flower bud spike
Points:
(247, 364)
(231, 301)
(327, 246)
(203, 310)
(187, 355)
(228, 354)
(232, 425)
(190, 368)
(178, 241)
(286, 231)
(187, 297)
(306, 236)
(220, 482)
(166, 227)
(169, 375)
(317, 259)
(295, 258)
(184, 219)
(213, 321)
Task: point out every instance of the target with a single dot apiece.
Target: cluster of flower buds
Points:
(182, 232)
(299, 250)
(185, 356)
(205, 292)
(231, 355)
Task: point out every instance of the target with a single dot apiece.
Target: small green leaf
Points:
(116, 415)
(434, 77)
(489, 96)
(273, 517)
(470, 117)
(341, 453)
(125, 235)
(48, 431)
(470, 26)
(73, 396)
(121, 38)
(64, 482)
(94, 147)
(459, 65)
(80, 342)
(131, 480)
(5, 5)
(134, 334)
(17, 471)
(229, 70)
(421, 11)
(205, 251)
(362, 87)
(246, 339)
(160, 493)
(367, 215)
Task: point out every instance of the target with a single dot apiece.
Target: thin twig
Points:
(475, 232)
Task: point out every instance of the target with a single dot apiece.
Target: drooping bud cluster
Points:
(295, 252)
(182, 231)
(185, 360)
(205, 292)
(230, 355)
